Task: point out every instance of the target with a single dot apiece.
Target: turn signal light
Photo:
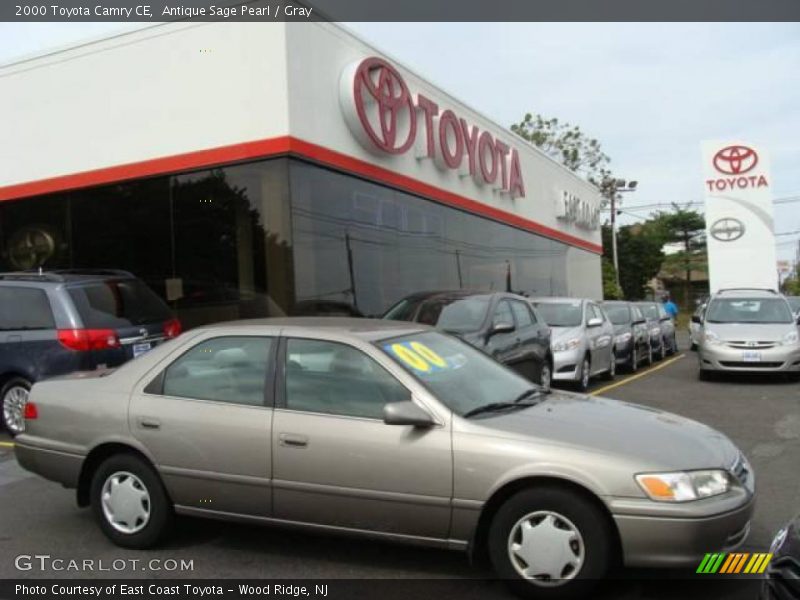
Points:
(84, 340)
(172, 328)
(31, 412)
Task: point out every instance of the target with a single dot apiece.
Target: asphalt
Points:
(760, 414)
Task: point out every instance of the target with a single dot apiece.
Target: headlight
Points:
(622, 338)
(778, 540)
(684, 486)
(712, 338)
(564, 345)
(790, 338)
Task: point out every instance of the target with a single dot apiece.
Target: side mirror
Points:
(640, 321)
(406, 413)
(594, 322)
(665, 319)
(502, 327)
(696, 319)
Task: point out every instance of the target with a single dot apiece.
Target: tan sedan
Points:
(388, 430)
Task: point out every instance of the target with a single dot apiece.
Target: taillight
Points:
(31, 412)
(83, 340)
(172, 328)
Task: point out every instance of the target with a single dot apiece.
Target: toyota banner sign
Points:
(739, 223)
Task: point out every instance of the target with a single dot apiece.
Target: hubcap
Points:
(634, 359)
(126, 502)
(546, 548)
(546, 377)
(585, 374)
(612, 367)
(14, 409)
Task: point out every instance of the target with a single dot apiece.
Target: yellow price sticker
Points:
(418, 356)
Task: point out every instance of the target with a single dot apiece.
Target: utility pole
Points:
(616, 186)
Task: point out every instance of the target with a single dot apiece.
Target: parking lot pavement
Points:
(760, 414)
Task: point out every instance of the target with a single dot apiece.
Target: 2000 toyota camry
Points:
(391, 430)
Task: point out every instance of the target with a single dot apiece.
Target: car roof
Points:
(557, 299)
(747, 293)
(450, 294)
(366, 329)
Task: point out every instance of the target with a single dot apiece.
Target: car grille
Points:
(742, 345)
(750, 365)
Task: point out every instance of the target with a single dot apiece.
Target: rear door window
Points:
(25, 309)
(115, 304)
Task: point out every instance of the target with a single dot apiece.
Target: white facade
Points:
(175, 97)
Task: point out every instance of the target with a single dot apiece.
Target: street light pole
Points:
(617, 186)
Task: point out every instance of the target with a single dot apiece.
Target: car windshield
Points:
(458, 314)
(618, 313)
(650, 310)
(561, 314)
(794, 303)
(460, 376)
(749, 310)
(112, 304)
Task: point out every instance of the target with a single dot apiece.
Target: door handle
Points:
(149, 423)
(293, 440)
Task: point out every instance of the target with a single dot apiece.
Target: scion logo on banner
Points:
(735, 161)
(734, 563)
(386, 117)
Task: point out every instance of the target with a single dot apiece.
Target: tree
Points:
(687, 228)
(611, 291)
(639, 252)
(570, 146)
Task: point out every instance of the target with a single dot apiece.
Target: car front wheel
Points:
(550, 542)
(585, 375)
(15, 396)
(612, 366)
(634, 365)
(546, 375)
(130, 503)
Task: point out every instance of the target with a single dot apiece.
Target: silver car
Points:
(393, 431)
(747, 330)
(582, 339)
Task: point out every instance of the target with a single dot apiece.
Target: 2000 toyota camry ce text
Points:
(390, 430)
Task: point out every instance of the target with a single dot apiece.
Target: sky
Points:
(649, 92)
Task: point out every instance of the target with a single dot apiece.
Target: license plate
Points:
(751, 356)
(139, 349)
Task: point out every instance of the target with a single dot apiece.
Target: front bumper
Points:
(682, 541)
(567, 364)
(721, 357)
(623, 352)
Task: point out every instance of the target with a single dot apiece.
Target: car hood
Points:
(656, 438)
(563, 333)
(622, 328)
(750, 332)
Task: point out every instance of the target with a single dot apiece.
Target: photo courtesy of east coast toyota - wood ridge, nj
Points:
(281, 314)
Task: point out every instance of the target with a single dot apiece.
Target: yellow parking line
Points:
(7, 444)
(636, 376)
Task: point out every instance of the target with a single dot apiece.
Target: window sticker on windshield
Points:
(417, 356)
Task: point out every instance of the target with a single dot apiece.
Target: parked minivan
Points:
(56, 322)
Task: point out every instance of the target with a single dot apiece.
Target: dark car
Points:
(782, 577)
(663, 338)
(631, 334)
(505, 326)
(56, 322)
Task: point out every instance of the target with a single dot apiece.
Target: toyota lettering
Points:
(385, 117)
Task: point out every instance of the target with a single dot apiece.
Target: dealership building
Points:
(254, 169)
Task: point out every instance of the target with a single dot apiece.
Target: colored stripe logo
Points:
(734, 563)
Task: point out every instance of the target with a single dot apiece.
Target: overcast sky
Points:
(649, 92)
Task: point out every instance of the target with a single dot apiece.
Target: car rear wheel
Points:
(130, 503)
(550, 542)
(662, 353)
(15, 396)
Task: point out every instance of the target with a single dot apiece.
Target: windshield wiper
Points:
(498, 406)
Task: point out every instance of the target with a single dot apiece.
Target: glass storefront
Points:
(275, 237)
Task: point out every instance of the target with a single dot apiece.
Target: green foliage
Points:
(611, 291)
(639, 256)
(569, 145)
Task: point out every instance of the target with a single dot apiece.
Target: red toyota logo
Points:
(735, 160)
(378, 82)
